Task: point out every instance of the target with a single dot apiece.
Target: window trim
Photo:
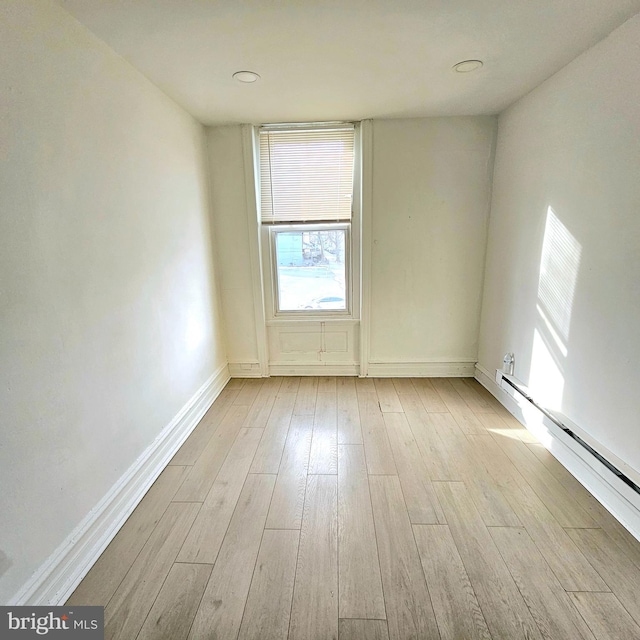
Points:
(354, 273)
(273, 230)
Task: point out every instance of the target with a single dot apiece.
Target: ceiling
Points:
(347, 59)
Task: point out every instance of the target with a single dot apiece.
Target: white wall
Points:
(108, 306)
(562, 284)
(229, 206)
(431, 188)
(431, 194)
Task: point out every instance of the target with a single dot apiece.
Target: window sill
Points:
(312, 319)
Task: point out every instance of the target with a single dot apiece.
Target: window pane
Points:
(311, 270)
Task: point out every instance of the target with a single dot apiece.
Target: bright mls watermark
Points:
(71, 623)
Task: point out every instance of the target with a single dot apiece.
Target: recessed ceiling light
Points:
(246, 76)
(466, 66)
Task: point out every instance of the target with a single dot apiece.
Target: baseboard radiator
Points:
(615, 484)
(510, 385)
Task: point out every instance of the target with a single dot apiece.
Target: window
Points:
(306, 196)
(311, 267)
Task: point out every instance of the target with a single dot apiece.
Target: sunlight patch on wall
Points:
(559, 268)
(546, 378)
(548, 327)
(558, 273)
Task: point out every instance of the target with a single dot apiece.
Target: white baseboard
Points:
(314, 369)
(245, 370)
(376, 369)
(488, 381)
(61, 573)
(426, 369)
(617, 497)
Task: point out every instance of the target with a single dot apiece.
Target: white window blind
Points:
(306, 174)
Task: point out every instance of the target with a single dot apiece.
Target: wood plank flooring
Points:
(358, 509)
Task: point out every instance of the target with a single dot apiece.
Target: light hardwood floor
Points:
(387, 509)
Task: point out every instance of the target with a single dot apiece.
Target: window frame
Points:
(273, 230)
(353, 249)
